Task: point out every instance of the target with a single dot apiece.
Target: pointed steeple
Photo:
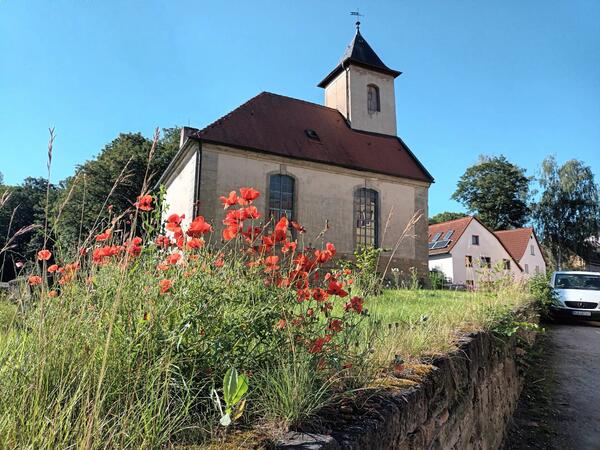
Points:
(359, 52)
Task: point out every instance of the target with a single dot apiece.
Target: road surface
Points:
(560, 406)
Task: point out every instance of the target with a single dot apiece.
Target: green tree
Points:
(445, 217)
(568, 212)
(111, 180)
(24, 205)
(496, 191)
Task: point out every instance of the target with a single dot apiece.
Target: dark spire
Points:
(359, 52)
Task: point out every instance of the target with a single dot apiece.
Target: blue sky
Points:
(521, 78)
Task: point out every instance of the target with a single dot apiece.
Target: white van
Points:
(578, 294)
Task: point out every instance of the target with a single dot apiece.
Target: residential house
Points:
(467, 252)
(525, 248)
(339, 165)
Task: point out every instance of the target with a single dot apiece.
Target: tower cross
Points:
(358, 15)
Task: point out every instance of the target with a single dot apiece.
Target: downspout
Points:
(197, 176)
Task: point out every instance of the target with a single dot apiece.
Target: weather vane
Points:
(358, 15)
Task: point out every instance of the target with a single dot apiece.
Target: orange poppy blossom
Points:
(248, 195)
(104, 236)
(198, 227)
(34, 280)
(53, 268)
(144, 202)
(230, 200)
(165, 285)
(44, 255)
(53, 294)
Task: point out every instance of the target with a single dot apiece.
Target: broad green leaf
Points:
(230, 385)
(241, 389)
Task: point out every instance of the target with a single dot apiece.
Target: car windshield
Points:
(577, 281)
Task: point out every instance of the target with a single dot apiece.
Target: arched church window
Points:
(366, 218)
(281, 197)
(373, 104)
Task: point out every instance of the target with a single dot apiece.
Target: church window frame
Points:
(281, 199)
(366, 218)
(373, 99)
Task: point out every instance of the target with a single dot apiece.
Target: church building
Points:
(339, 165)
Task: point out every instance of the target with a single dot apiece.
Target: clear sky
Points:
(516, 77)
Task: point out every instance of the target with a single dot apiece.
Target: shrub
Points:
(542, 292)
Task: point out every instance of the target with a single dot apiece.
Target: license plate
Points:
(582, 313)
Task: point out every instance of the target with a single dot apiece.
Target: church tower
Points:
(361, 87)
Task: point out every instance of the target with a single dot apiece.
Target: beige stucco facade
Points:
(348, 94)
(323, 198)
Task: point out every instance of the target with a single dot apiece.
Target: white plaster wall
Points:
(533, 261)
(336, 95)
(443, 263)
(180, 188)
(383, 121)
(488, 246)
(324, 195)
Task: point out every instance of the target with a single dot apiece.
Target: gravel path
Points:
(560, 405)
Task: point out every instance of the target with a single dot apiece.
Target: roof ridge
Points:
(453, 220)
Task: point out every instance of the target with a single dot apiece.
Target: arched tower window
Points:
(366, 218)
(281, 197)
(373, 104)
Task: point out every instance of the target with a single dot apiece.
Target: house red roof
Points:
(458, 226)
(292, 128)
(515, 241)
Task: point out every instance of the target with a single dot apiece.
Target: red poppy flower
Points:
(251, 213)
(53, 294)
(356, 304)
(322, 256)
(271, 263)
(248, 195)
(289, 247)
(198, 227)
(219, 262)
(330, 248)
(162, 241)
(335, 325)
(230, 232)
(195, 243)
(34, 280)
(175, 219)
(319, 294)
(281, 324)
(230, 200)
(144, 202)
(302, 295)
(53, 268)
(281, 229)
(173, 258)
(335, 288)
(317, 345)
(165, 286)
(104, 236)
(44, 255)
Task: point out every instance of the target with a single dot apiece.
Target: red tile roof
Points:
(458, 225)
(515, 241)
(278, 125)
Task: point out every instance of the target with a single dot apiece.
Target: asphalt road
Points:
(560, 405)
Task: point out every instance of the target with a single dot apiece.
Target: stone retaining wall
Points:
(464, 402)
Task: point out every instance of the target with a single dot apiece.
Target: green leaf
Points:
(234, 387)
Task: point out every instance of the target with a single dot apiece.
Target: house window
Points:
(468, 261)
(526, 268)
(281, 197)
(366, 218)
(532, 249)
(373, 104)
(486, 261)
(506, 264)
(475, 239)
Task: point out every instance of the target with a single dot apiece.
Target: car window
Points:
(577, 281)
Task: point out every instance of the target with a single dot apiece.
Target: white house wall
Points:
(444, 264)
(180, 188)
(533, 263)
(489, 246)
